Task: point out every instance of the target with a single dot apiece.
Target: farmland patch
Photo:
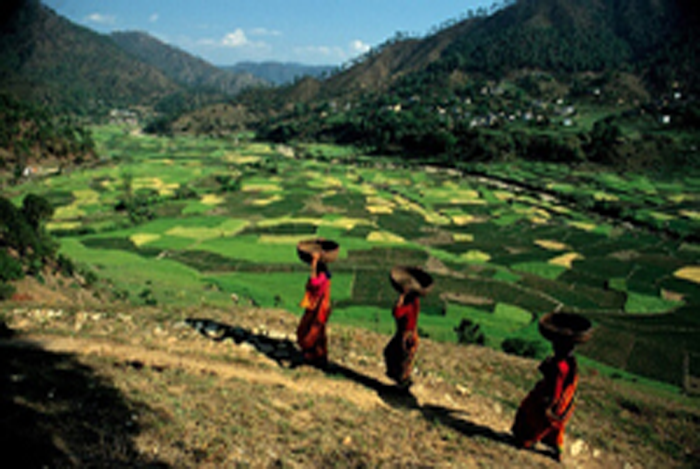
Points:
(500, 255)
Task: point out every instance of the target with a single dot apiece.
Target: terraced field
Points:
(220, 218)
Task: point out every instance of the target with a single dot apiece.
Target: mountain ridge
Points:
(182, 67)
(280, 73)
(50, 60)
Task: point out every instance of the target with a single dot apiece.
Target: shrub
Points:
(36, 209)
(522, 347)
(14, 229)
(468, 332)
(10, 268)
(65, 265)
(6, 291)
(89, 276)
(184, 192)
(147, 296)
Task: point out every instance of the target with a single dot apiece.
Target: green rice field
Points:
(223, 218)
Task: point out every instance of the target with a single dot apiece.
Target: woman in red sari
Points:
(544, 413)
(311, 332)
(400, 352)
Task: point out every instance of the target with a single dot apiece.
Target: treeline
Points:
(430, 120)
(29, 133)
(424, 138)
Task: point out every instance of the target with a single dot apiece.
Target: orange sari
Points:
(311, 332)
(544, 413)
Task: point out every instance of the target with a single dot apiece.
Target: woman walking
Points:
(311, 332)
(400, 352)
(544, 413)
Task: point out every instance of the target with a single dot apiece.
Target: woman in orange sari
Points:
(311, 332)
(544, 413)
(400, 352)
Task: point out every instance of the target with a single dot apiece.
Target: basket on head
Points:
(565, 327)
(405, 279)
(325, 247)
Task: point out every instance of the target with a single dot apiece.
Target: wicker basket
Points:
(404, 278)
(565, 327)
(327, 248)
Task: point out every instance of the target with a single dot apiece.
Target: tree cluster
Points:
(25, 246)
(29, 132)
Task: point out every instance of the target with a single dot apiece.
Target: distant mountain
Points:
(47, 59)
(183, 67)
(280, 73)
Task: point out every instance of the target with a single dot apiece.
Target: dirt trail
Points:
(480, 414)
(164, 359)
(468, 392)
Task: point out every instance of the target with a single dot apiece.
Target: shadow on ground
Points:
(285, 353)
(56, 412)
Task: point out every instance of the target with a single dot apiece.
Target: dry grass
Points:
(113, 386)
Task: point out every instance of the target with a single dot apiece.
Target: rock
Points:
(497, 408)
(577, 447)
(597, 453)
(246, 347)
(462, 390)
(277, 335)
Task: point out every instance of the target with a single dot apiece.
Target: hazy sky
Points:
(223, 32)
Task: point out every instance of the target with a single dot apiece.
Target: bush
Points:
(36, 209)
(522, 347)
(6, 291)
(65, 265)
(10, 268)
(89, 277)
(468, 332)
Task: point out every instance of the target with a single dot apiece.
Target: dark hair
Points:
(410, 296)
(323, 267)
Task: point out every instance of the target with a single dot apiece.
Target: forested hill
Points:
(182, 67)
(651, 37)
(611, 82)
(656, 40)
(50, 60)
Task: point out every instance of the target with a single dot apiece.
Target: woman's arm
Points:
(314, 264)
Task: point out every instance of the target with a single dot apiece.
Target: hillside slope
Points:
(47, 59)
(182, 67)
(654, 39)
(208, 387)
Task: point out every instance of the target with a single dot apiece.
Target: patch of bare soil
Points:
(215, 388)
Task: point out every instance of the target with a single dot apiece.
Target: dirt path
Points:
(458, 413)
(198, 365)
(473, 414)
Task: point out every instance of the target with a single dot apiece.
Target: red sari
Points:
(544, 413)
(400, 352)
(311, 332)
